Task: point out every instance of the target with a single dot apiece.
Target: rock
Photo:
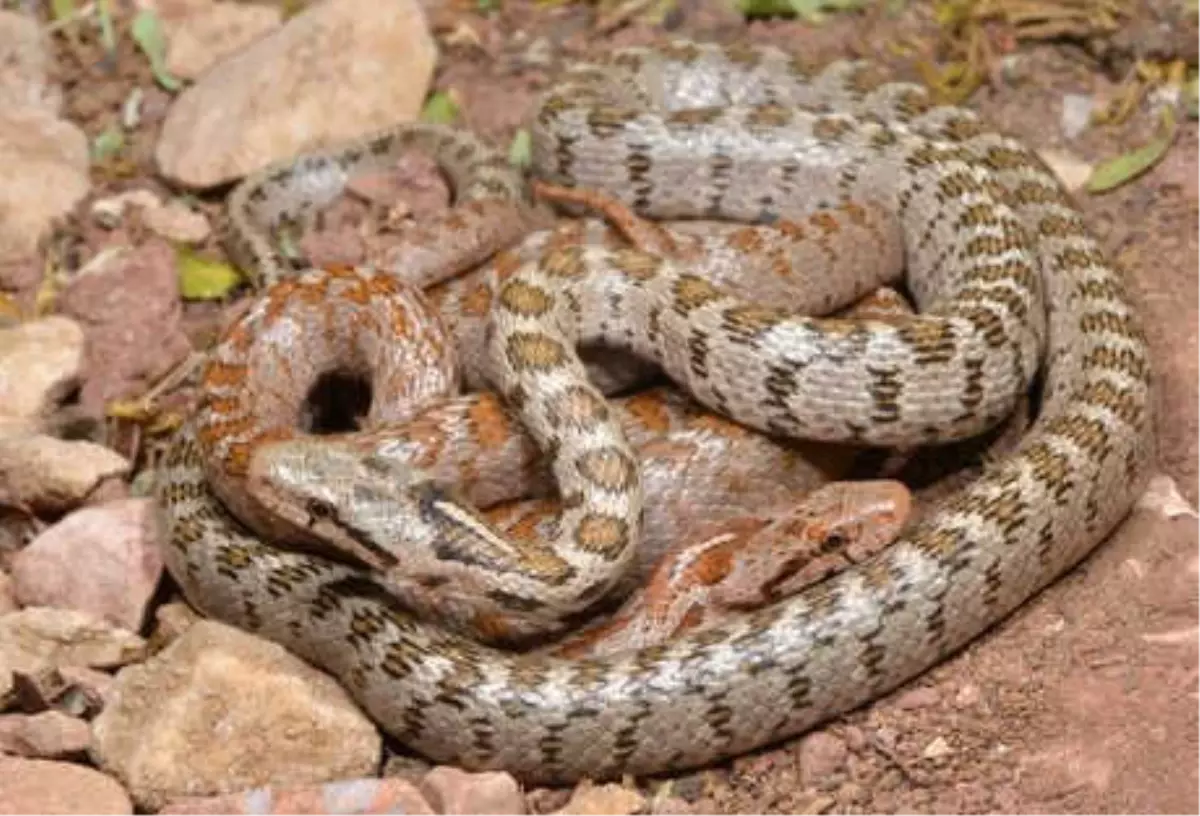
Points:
(39, 362)
(1069, 766)
(1163, 497)
(172, 620)
(178, 222)
(109, 211)
(48, 735)
(73, 690)
(664, 805)
(937, 747)
(350, 796)
(129, 304)
(23, 53)
(414, 183)
(967, 696)
(820, 755)
(103, 560)
(1071, 170)
(37, 637)
(86, 692)
(46, 175)
(42, 786)
(450, 790)
(923, 697)
(405, 766)
(546, 800)
(589, 799)
(337, 70)
(19, 275)
(854, 738)
(201, 34)
(850, 794)
(45, 158)
(886, 736)
(51, 475)
(173, 220)
(220, 711)
(1076, 113)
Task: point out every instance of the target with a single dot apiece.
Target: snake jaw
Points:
(280, 479)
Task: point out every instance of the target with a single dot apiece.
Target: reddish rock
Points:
(102, 560)
(42, 786)
(49, 735)
(130, 309)
(450, 790)
(346, 797)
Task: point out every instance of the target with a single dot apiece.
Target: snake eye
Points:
(833, 540)
(319, 509)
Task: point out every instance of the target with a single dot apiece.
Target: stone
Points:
(103, 560)
(336, 71)
(45, 158)
(352, 797)
(129, 304)
(220, 711)
(201, 34)
(26, 60)
(46, 174)
(47, 735)
(39, 362)
(35, 638)
(44, 786)
(590, 799)
(820, 756)
(50, 475)
(451, 790)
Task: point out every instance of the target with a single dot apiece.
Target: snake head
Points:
(341, 500)
(354, 504)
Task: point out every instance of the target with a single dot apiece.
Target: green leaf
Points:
(520, 152)
(108, 34)
(287, 238)
(765, 8)
(62, 10)
(290, 8)
(811, 11)
(441, 109)
(147, 33)
(203, 278)
(1191, 98)
(1113, 173)
(142, 485)
(108, 143)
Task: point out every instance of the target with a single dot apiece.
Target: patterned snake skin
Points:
(747, 133)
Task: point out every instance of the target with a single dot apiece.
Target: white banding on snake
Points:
(988, 233)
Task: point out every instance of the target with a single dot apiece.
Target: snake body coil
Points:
(747, 132)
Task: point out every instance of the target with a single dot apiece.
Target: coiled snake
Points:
(1005, 275)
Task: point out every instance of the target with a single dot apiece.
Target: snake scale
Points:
(1006, 277)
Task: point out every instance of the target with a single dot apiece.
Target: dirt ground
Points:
(1086, 699)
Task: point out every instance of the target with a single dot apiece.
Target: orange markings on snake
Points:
(491, 425)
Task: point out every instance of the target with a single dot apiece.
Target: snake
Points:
(1012, 291)
(389, 484)
(754, 561)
